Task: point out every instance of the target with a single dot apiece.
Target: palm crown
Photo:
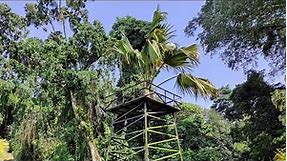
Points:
(158, 53)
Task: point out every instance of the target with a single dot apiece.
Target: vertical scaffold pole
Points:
(177, 137)
(109, 141)
(146, 152)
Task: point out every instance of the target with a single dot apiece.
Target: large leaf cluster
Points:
(258, 129)
(159, 53)
(41, 80)
(205, 134)
(242, 31)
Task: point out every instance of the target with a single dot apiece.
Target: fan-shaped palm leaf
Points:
(127, 54)
(158, 17)
(187, 83)
(192, 53)
(158, 53)
(181, 59)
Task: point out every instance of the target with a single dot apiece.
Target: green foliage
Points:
(158, 53)
(222, 103)
(279, 100)
(52, 88)
(136, 31)
(240, 31)
(280, 155)
(257, 131)
(4, 147)
(205, 134)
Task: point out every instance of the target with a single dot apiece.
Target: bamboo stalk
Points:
(134, 132)
(162, 133)
(161, 126)
(129, 125)
(128, 119)
(146, 154)
(135, 136)
(128, 112)
(164, 149)
(162, 141)
(165, 157)
(158, 118)
(178, 143)
(157, 112)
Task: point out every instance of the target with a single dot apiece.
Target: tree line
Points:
(52, 89)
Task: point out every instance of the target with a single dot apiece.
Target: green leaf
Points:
(187, 83)
(4, 147)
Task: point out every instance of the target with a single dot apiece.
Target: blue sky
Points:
(179, 13)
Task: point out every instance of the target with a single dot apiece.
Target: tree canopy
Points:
(256, 120)
(205, 134)
(242, 31)
(136, 32)
(159, 53)
(50, 88)
(53, 86)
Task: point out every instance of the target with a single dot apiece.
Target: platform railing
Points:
(142, 89)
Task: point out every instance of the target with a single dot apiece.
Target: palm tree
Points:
(158, 54)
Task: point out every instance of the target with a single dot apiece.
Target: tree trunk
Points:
(7, 122)
(93, 150)
(95, 156)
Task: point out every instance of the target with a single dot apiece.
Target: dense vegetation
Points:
(257, 129)
(242, 31)
(52, 88)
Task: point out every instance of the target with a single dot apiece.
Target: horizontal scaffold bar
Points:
(158, 118)
(162, 141)
(135, 136)
(120, 152)
(134, 117)
(129, 112)
(160, 126)
(161, 133)
(164, 149)
(134, 132)
(129, 125)
(157, 112)
(138, 147)
(165, 157)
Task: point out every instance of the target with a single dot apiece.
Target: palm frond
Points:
(189, 84)
(177, 61)
(127, 54)
(162, 33)
(192, 53)
(167, 30)
(158, 17)
(158, 35)
(151, 52)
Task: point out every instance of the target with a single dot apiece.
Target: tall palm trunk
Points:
(95, 156)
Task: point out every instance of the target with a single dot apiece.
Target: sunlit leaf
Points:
(189, 84)
(4, 147)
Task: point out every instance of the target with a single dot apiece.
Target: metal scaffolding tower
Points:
(144, 124)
